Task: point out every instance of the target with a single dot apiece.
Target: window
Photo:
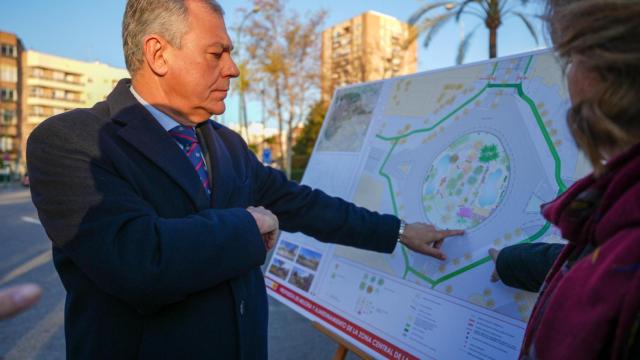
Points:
(36, 91)
(8, 50)
(58, 94)
(37, 110)
(9, 74)
(8, 117)
(6, 143)
(8, 94)
(58, 75)
(37, 72)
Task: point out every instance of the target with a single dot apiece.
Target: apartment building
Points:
(370, 46)
(11, 101)
(56, 84)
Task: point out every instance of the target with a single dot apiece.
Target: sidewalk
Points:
(11, 187)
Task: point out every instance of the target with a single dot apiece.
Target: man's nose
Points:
(230, 69)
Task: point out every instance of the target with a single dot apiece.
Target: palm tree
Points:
(490, 12)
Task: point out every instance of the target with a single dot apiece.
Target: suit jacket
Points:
(152, 266)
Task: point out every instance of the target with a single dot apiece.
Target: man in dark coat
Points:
(161, 218)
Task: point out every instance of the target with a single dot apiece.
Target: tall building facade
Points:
(35, 86)
(56, 84)
(370, 46)
(11, 100)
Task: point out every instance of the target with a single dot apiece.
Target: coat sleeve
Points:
(116, 238)
(328, 219)
(525, 266)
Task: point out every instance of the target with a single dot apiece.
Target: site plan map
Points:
(477, 147)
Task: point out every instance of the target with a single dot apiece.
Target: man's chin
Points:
(217, 109)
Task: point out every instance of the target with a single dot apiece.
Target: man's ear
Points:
(154, 48)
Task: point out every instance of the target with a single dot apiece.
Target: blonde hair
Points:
(167, 18)
(606, 36)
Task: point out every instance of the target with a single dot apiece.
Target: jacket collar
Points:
(144, 133)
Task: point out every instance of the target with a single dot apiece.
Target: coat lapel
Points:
(144, 133)
(221, 168)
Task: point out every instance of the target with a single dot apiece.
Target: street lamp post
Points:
(242, 105)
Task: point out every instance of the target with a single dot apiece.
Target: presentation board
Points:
(477, 147)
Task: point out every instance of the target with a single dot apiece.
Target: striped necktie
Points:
(186, 138)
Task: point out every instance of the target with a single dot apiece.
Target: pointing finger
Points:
(442, 234)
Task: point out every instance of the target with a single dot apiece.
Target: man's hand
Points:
(425, 239)
(267, 224)
(18, 298)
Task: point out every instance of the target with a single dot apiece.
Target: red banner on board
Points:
(353, 331)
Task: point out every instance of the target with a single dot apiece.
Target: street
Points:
(25, 256)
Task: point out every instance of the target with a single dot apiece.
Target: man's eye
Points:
(216, 55)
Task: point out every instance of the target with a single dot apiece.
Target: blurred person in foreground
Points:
(589, 305)
(160, 218)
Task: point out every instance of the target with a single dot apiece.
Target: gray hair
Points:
(167, 18)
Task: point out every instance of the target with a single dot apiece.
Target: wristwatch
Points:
(403, 225)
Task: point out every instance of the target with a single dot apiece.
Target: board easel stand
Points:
(343, 346)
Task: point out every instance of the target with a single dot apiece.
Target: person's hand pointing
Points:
(426, 239)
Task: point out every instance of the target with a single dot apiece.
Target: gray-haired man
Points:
(161, 218)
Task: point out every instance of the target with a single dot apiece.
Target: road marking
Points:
(17, 197)
(30, 345)
(37, 261)
(30, 220)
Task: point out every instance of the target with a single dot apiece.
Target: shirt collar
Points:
(165, 120)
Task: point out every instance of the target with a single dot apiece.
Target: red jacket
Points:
(589, 306)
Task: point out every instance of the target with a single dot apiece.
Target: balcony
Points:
(66, 80)
(53, 97)
(50, 101)
(8, 130)
(54, 84)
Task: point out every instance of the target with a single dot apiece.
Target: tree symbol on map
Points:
(466, 182)
(489, 153)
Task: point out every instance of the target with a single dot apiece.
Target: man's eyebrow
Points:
(222, 46)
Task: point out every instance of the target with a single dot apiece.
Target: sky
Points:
(90, 30)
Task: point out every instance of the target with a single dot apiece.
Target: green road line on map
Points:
(526, 68)
(561, 186)
(484, 260)
(495, 67)
(475, 264)
(390, 184)
(393, 202)
(421, 276)
(445, 118)
(393, 198)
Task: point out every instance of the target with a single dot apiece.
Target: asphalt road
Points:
(25, 256)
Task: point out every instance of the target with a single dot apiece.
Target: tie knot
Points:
(185, 135)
